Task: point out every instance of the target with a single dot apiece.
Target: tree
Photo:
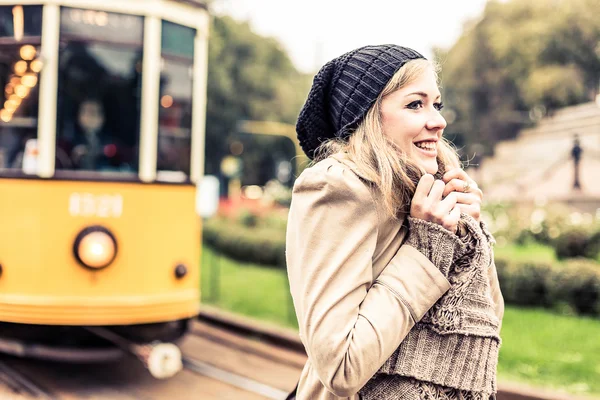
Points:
(249, 77)
(521, 59)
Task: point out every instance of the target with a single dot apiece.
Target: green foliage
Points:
(553, 225)
(247, 219)
(578, 284)
(249, 78)
(520, 56)
(554, 86)
(573, 243)
(525, 283)
(573, 286)
(593, 246)
(279, 193)
(260, 245)
(275, 221)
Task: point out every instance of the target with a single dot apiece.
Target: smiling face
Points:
(411, 117)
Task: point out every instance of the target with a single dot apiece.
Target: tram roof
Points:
(195, 3)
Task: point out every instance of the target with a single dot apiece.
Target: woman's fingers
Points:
(459, 180)
(440, 202)
(454, 185)
(446, 206)
(423, 188)
(459, 186)
(474, 210)
(427, 198)
(437, 189)
(467, 198)
(456, 173)
(451, 220)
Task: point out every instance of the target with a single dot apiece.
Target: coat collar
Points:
(345, 159)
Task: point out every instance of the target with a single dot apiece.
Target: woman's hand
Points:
(427, 203)
(468, 195)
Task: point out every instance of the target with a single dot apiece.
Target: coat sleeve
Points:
(349, 323)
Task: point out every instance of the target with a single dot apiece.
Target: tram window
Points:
(175, 109)
(20, 21)
(100, 64)
(20, 30)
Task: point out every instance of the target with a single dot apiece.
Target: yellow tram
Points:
(101, 153)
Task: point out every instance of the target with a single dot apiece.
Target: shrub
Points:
(573, 243)
(574, 284)
(578, 284)
(525, 283)
(265, 246)
(246, 218)
(278, 193)
(593, 248)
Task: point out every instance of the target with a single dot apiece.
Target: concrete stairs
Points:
(537, 165)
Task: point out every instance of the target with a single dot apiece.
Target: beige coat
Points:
(357, 289)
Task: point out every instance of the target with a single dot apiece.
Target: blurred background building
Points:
(557, 160)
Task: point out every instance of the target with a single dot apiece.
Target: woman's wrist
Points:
(435, 242)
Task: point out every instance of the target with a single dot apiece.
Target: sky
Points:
(316, 31)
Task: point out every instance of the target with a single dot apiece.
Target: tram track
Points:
(18, 385)
(236, 380)
(217, 364)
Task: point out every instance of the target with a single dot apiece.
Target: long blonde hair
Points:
(378, 159)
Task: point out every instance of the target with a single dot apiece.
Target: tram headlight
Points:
(95, 247)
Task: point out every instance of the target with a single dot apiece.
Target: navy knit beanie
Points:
(344, 90)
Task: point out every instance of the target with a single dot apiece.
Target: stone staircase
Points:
(537, 165)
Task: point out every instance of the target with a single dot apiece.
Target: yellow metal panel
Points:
(107, 310)
(155, 226)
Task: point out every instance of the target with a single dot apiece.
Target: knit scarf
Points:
(454, 348)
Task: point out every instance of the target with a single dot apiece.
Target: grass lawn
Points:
(531, 252)
(539, 348)
(550, 350)
(251, 290)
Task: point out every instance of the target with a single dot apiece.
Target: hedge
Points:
(577, 243)
(572, 286)
(264, 246)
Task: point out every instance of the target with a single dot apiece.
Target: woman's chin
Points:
(430, 167)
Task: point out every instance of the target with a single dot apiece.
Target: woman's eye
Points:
(438, 106)
(415, 105)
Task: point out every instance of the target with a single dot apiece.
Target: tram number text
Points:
(92, 205)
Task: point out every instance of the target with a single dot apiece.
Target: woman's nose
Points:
(436, 121)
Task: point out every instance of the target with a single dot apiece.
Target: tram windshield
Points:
(20, 37)
(99, 86)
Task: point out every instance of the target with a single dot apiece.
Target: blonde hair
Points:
(378, 159)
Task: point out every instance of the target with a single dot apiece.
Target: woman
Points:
(390, 269)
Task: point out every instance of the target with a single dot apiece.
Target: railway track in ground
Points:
(218, 363)
(224, 357)
(15, 386)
